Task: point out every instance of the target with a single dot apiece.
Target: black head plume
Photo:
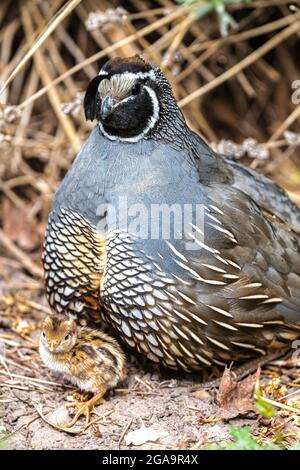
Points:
(130, 99)
(90, 97)
(134, 64)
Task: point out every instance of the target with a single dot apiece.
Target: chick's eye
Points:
(136, 89)
(67, 337)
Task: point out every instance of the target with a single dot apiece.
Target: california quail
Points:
(220, 282)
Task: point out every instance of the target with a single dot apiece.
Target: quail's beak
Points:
(52, 345)
(108, 104)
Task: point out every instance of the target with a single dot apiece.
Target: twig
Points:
(19, 387)
(100, 418)
(282, 405)
(20, 255)
(99, 55)
(286, 124)
(65, 11)
(125, 431)
(250, 59)
(31, 379)
(149, 387)
(39, 307)
(46, 80)
(53, 425)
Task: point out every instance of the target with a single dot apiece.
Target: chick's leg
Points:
(86, 408)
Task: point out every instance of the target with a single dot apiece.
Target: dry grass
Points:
(229, 88)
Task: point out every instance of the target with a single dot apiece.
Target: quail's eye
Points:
(67, 337)
(136, 89)
(43, 334)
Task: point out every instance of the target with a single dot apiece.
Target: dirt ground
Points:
(169, 409)
(154, 398)
(166, 402)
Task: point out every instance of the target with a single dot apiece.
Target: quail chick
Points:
(90, 359)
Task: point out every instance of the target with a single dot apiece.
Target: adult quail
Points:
(217, 283)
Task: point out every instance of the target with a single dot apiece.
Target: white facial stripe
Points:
(134, 76)
(151, 122)
(155, 105)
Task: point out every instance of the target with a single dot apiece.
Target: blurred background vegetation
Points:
(232, 65)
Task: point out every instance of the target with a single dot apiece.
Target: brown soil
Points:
(163, 400)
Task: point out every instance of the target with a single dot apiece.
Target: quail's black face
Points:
(123, 99)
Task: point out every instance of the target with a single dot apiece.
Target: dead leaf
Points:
(19, 227)
(60, 416)
(141, 436)
(233, 397)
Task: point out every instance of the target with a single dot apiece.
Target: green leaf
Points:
(3, 441)
(244, 440)
(265, 409)
(219, 7)
(295, 446)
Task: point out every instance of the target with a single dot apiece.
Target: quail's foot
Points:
(84, 409)
(78, 397)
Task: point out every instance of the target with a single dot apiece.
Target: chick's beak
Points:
(52, 345)
(107, 106)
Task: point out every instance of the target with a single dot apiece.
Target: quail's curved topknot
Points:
(132, 64)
